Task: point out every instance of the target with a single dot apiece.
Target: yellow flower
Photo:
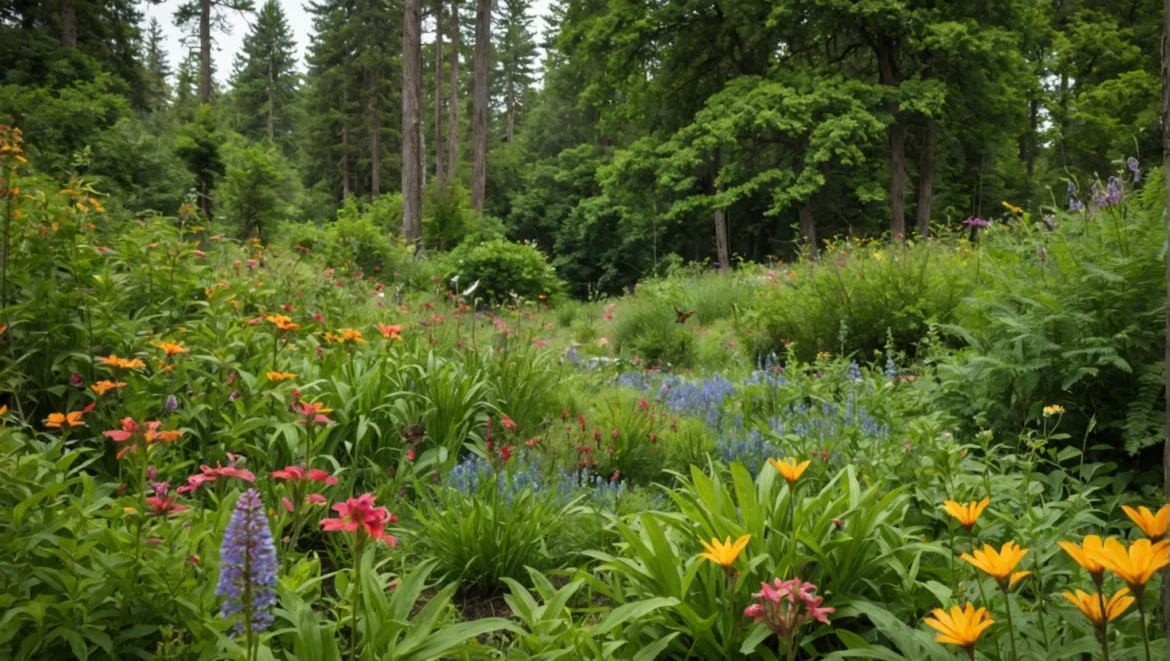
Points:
(1055, 409)
(1137, 565)
(967, 514)
(103, 387)
(999, 564)
(1090, 605)
(788, 468)
(960, 627)
(1152, 525)
(351, 335)
(58, 420)
(1012, 208)
(1086, 555)
(281, 376)
(724, 553)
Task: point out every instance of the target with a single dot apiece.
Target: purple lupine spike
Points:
(247, 576)
(1135, 168)
(172, 403)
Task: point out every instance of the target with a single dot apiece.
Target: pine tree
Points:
(265, 83)
(481, 94)
(515, 61)
(201, 18)
(158, 70)
(412, 122)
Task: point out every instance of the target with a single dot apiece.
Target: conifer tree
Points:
(201, 18)
(515, 60)
(265, 84)
(157, 69)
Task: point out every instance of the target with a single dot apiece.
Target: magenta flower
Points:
(785, 606)
(976, 222)
(360, 514)
(298, 473)
(208, 474)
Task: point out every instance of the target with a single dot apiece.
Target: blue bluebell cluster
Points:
(891, 369)
(523, 475)
(703, 399)
(750, 449)
(601, 490)
(247, 575)
(768, 372)
(854, 371)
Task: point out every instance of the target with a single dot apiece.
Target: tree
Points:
(515, 59)
(256, 188)
(157, 69)
(439, 145)
(481, 93)
(412, 122)
(198, 143)
(265, 84)
(453, 100)
(201, 17)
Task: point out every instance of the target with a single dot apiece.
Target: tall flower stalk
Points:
(247, 576)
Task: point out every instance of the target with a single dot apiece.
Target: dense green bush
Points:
(854, 296)
(357, 238)
(1072, 316)
(651, 332)
(502, 268)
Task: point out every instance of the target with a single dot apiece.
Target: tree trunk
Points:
(808, 227)
(479, 119)
(375, 137)
(411, 121)
(205, 51)
(888, 76)
(453, 98)
(69, 23)
(1033, 129)
(1166, 176)
(721, 251)
(439, 93)
(271, 100)
(511, 103)
(925, 178)
(344, 149)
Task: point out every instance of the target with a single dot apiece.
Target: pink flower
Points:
(208, 474)
(315, 499)
(785, 606)
(360, 514)
(288, 506)
(160, 507)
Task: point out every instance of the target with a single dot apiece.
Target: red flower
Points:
(506, 453)
(509, 425)
(298, 473)
(315, 498)
(360, 514)
(312, 412)
(209, 474)
(162, 507)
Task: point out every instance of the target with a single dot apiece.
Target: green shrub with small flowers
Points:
(216, 449)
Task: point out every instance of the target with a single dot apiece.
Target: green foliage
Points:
(652, 333)
(503, 268)
(447, 215)
(256, 190)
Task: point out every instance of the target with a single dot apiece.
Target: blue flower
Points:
(247, 575)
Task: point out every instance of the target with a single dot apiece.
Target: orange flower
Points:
(960, 627)
(967, 514)
(1152, 525)
(1090, 605)
(351, 335)
(58, 420)
(103, 387)
(281, 376)
(1086, 555)
(789, 469)
(171, 348)
(391, 332)
(122, 363)
(999, 564)
(282, 322)
(1135, 566)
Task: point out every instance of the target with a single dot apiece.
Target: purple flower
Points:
(247, 559)
(976, 222)
(1135, 168)
(75, 379)
(172, 403)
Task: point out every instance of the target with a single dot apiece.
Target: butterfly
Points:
(681, 317)
(414, 433)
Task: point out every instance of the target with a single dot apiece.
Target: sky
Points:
(227, 45)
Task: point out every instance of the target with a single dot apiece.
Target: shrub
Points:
(357, 237)
(650, 332)
(447, 215)
(854, 294)
(502, 267)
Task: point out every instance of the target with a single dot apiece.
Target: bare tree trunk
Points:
(344, 149)
(375, 137)
(479, 119)
(205, 51)
(271, 100)
(721, 251)
(69, 23)
(453, 98)
(808, 227)
(888, 75)
(511, 102)
(439, 92)
(422, 147)
(1166, 176)
(411, 123)
(925, 179)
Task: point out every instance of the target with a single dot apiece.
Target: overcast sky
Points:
(228, 45)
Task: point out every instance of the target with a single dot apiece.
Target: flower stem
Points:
(978, 582)
(357, 594)
(1007, 602)
(1104, 631)
(1142, 614)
